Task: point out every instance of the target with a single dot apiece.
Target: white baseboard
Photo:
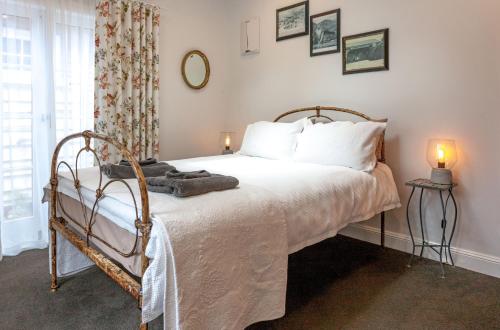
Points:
(475, 261)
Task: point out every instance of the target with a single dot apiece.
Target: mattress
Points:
(300, 184)
(121, 239)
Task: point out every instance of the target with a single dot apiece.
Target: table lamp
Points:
(442, 156)
(226, 139)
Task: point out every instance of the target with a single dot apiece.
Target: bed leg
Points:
(382, 229)
(144, 326)
(53, 260)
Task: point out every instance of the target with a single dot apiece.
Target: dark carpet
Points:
(340, 283)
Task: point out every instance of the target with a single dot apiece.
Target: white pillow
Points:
(272, 140)
(340, 143)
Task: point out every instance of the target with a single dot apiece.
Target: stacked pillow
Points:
(340, 143)
(272, 140)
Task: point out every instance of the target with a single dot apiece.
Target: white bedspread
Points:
(219, 260)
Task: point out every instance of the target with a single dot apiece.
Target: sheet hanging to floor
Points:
(311, 202)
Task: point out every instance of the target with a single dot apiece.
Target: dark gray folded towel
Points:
(144, 162)
(175, 174)
(181, 187)
(164, 189)
(113, 171)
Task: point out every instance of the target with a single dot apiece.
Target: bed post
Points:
(53, 259)
(145, 229)
(382, 229)
(52, 219)
(144, 225)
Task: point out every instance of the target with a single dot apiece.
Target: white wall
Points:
(444, 81)
(191, 120)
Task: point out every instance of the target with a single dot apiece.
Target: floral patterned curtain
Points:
(127, 77)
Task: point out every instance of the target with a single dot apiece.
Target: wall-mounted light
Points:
(250, 36)
(442, 156)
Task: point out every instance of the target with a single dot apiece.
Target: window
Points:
(74, 89)
(47, 87)
(16, 119)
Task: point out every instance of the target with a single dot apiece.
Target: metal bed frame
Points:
(59, 223)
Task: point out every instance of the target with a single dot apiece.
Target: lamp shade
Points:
(441, 153)
(226, 140)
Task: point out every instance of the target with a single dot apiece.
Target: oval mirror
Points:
(195, 69)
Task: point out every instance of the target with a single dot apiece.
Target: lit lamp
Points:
(226, 139)
(442, 156)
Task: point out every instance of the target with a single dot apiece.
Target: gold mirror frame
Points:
(207, 69)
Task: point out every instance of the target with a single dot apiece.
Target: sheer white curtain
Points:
(46, 80)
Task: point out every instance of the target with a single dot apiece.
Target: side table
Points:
(445, 245)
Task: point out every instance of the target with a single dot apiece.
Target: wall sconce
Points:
(250, 36)
(442, 156)
(226, 140)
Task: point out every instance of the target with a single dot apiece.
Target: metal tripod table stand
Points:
(444, 246)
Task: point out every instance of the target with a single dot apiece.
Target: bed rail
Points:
(60, 223)
(380, 151)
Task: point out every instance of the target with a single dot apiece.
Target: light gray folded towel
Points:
(185, 187)
(114, 171)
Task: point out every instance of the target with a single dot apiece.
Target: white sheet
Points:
(317, 201)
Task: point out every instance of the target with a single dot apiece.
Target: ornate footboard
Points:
(64, 222)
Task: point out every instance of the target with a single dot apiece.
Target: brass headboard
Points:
(380, 152)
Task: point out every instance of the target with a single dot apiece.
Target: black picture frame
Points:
(312, 32)
(374, 49)
(306, 21)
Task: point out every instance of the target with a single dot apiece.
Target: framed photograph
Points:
(325, 33)
(292, 21)
(365, 52)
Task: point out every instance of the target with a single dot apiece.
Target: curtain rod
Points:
(146, 3)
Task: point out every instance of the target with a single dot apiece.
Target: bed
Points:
(222, 253)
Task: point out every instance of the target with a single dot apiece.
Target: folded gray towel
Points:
(181, 187)
(158, 181)
(175, 174)
(160, 188)
(114, 171)
(144, 162)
